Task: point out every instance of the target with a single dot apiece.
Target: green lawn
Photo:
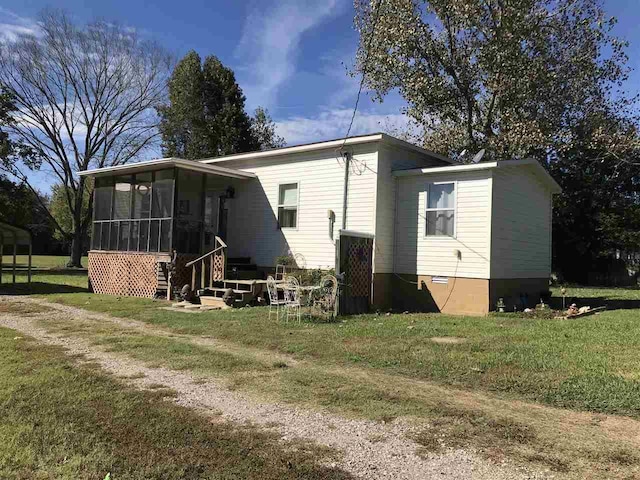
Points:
(38, 261)
(372, 366)
(64, 421)
(588, 364)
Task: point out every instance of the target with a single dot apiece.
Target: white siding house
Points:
(253, 225)
(447, 237)
(521, 232)
(500, 243)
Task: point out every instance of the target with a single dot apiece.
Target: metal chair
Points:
(325, 299)
(274, 300)
(281, 271)
(292, 297)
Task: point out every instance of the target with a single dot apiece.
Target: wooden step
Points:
(224, 289)
(161, 275)
(214, 302)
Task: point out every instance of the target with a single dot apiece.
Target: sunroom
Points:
(148, 214)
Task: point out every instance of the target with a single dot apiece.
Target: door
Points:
(215, 217)
(354, 262)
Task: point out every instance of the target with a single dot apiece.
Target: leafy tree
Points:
(183, 124)
(205, 116)
(20, 206)
(263, 130)
(512, 76)
(539, 78)
(86, 97)
(60, 210)
(598, 213)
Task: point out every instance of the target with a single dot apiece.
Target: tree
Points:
(183, 124)
(598, 214)
(6, 107)
(514, 76)
(20, 206)
(263, 130)
(205, 116)
(60, 210)
(85, 98)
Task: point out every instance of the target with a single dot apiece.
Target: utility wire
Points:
(374, 21)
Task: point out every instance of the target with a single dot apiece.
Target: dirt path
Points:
(370, 450)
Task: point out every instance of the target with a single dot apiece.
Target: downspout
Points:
(395, 225)
(345, 194)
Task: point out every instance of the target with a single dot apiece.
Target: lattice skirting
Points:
(359, 267)
(125, 274)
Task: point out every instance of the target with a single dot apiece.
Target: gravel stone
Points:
(370, 450)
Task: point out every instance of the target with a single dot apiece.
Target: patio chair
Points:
(292, 297)
(274, 300)
(325, 299)
(281, 271)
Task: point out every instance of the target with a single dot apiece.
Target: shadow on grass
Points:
(593, 302)
(36, 288)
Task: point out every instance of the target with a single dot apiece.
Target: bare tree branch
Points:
(86, 97)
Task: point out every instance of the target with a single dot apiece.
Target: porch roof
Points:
(167, 163)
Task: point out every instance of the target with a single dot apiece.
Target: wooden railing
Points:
(217, 261)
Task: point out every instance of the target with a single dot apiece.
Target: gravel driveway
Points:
(370, 450)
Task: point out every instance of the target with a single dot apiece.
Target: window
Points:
(288, 205)
(133, 212)
(142, 196)
(102, 202)
(122, 198)
(441, 209)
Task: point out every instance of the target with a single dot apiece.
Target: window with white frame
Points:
(441, 209)
(288, 205)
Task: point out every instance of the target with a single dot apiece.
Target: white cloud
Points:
(270, 43)
(12, 26)
(333, 124)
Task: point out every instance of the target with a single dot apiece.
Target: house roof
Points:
(10, 234)
(193, 165)
(330, 144)
(530, 163)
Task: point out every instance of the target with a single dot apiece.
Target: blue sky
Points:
(289, 56)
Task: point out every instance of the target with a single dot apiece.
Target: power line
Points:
(374, 21)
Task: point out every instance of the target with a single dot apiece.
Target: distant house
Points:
(444, 236)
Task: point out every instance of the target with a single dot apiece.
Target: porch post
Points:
(202, 216)
(174, 211)
(1, 254)
(15, 254)
(30, 255)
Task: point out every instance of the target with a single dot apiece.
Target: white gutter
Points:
(529, 162)
(451, 168)
(169, 162)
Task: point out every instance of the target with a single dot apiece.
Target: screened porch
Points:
(161, 206)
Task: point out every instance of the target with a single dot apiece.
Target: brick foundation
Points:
(461, 296)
